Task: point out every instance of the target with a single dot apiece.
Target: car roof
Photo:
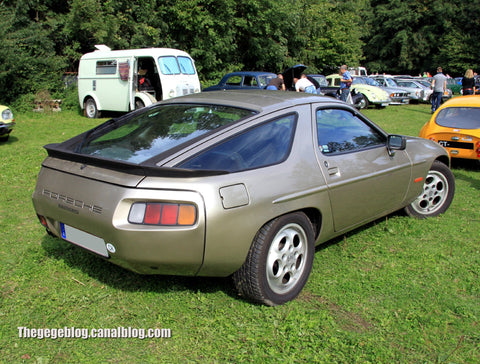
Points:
(249, 73)
(463, 101)
(256, 100)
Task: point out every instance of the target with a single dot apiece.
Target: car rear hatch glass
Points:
(459, 117)
(159, 130)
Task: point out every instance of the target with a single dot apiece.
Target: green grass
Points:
(399, 290)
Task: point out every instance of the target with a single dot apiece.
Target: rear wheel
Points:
(437, 195)
(279, 261)
(91, 109)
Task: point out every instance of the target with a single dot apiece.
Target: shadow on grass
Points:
(11, 139)
(461, 168)
(117, 277)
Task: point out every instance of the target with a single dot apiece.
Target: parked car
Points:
(456, 126)
(358, 100)
(427, 82)
(243, 80)
(418, 87)
(398, 95)
(242, 183)
(7, 123)
(129, 79)
(453, 85)
(291, 73)
(373, 95)
(415, 92)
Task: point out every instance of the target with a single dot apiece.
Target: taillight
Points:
(43, 220)
(478, 149)
(163, 214)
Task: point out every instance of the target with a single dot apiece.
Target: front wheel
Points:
(361, 102)
(279, 261)
(139, 104)
(437, 195)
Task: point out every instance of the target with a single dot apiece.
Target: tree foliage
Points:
(40, 40)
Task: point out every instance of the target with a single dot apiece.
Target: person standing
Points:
(439, 86)
(345, 83)
(303, 84)
(468, 83)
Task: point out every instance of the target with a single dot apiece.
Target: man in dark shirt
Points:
(276, 83)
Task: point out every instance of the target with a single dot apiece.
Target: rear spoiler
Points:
(55, 151)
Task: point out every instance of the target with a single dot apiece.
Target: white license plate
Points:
(83, 239)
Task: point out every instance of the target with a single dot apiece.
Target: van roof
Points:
(155, 52)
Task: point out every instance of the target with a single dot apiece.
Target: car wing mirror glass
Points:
(396, 142)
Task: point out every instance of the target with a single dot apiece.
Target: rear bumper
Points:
(100, 211)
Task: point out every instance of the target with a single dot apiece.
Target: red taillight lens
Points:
(163, 214)
(478, 149)
(43, 220)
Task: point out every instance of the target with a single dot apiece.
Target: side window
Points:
(261, 146)
(340, 131)
(234, 81)
(250, 81)
(106, 67)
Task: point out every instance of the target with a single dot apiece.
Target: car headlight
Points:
(7, 114)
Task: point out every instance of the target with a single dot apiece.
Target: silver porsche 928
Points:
(242, 183)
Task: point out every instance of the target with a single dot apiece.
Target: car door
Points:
(364, 179)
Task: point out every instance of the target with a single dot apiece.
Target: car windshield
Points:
(156, 131)
(407, 84)
(359, 81)
(425, 83)
(322, 81)
(390, 82)
(371, 81)
(459, 117)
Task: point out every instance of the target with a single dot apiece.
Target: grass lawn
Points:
(399, 290)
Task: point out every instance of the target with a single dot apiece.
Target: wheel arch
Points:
(444, 159)
(95, 98)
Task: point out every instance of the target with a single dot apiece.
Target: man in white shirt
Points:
(302, 84)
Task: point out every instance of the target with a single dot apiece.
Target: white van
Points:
(126, 80)
(358, 71)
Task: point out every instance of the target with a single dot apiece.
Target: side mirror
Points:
(396, 142)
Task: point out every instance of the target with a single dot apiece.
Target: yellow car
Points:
(456, 127)
(6, 123)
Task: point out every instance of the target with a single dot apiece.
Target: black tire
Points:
(437, 195)
(362, 102)
(90, 109)
(279, 261)
(139, 104)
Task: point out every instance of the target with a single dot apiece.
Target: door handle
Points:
(332, 171)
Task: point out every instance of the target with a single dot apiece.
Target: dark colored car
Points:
(234, 183)
(243, 80)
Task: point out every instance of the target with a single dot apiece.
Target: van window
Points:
(106, 67)
(186, 65)
(169, 65)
